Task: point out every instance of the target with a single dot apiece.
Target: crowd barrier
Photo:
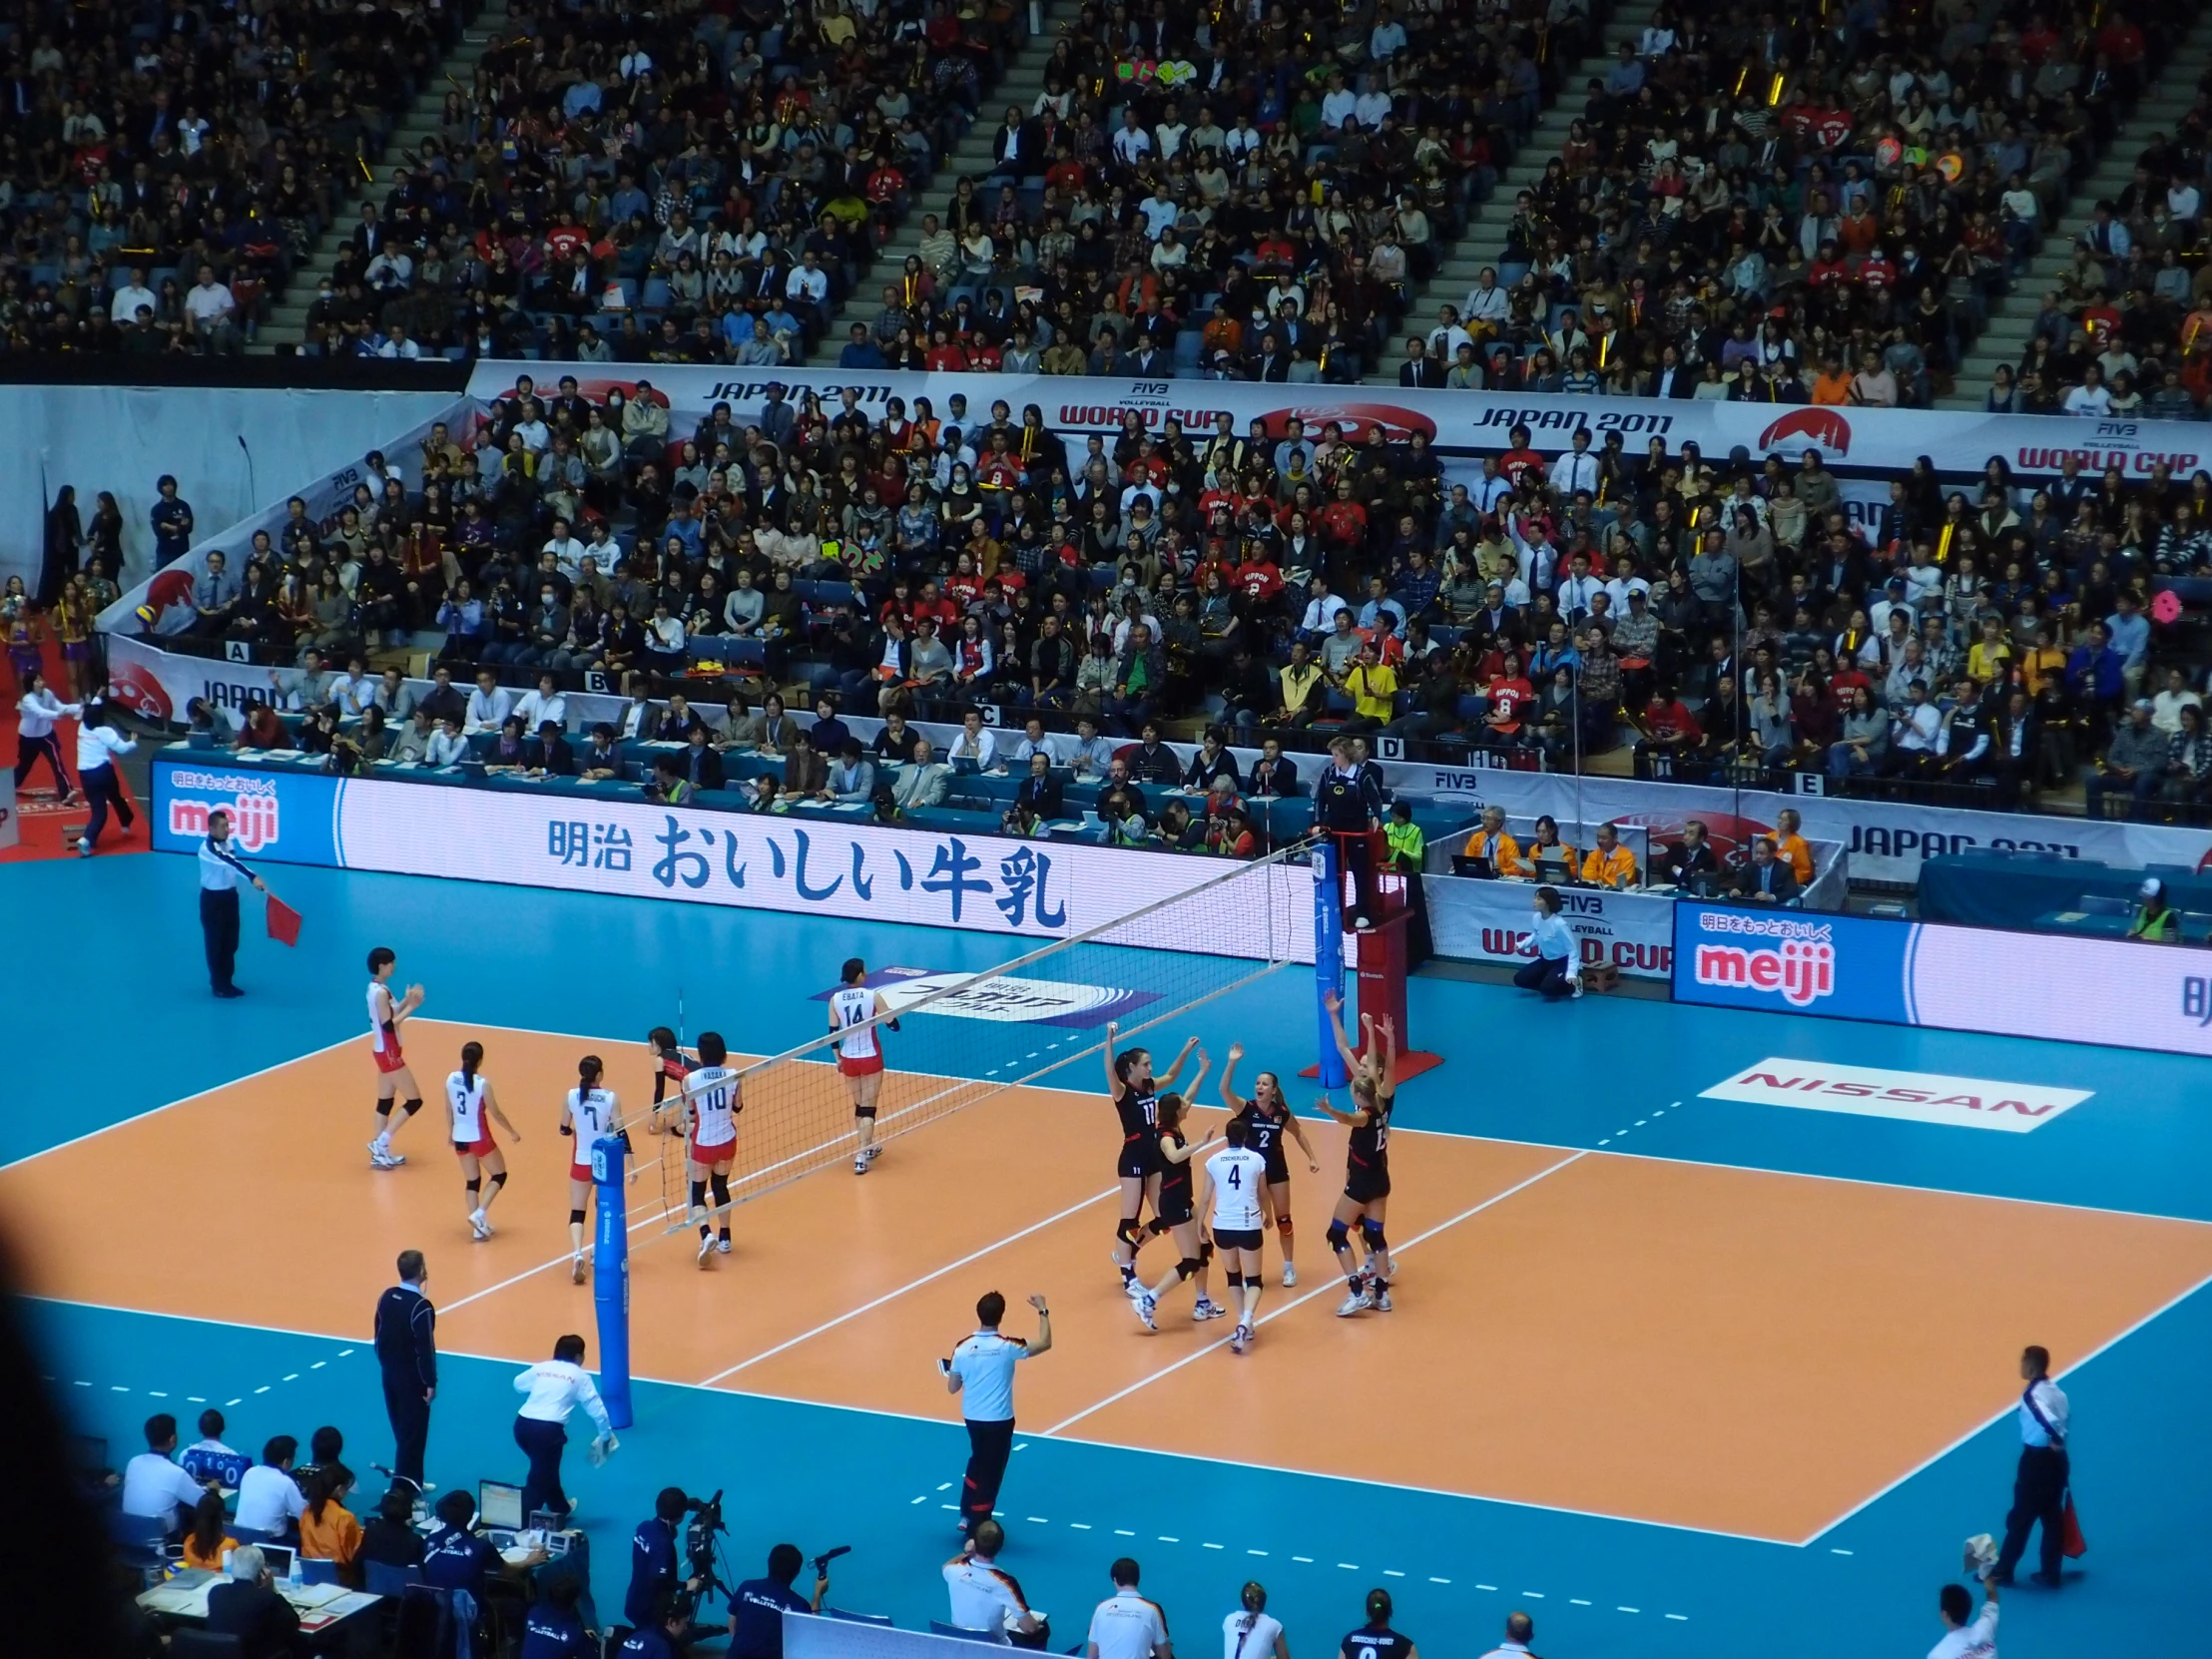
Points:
(2054, 986)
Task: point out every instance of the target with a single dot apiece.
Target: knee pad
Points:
(474, 1185)
(1236, 1278)
(1283, 1224)
(1370, 1235)
(1129, 1232)
(1205, 1251)
(699, 1195)
(384, 1108)
(576, 1218)
(1339, 1235)
(867, 1112)
(1188, 1268)
(498, 1181)
(411, 1107)
(720, 1184)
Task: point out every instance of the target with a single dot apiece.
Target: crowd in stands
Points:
(1727, 619)
(165, 167)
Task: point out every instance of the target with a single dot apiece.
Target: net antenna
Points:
(1011, 1024)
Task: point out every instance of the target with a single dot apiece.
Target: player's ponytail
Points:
(588, 1072)
(472, 1056)
(1254, 1597)
(1379, 1608)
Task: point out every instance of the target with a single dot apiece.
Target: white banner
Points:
(1493, 922)
(167, 592)
(1877, 442)
(1911, 1096)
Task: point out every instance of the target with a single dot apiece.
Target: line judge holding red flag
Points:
(221, 871)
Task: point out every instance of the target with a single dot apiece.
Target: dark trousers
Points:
(30, 750)
(541, 1442)
(989, 1445)
(1547, 974)
(104, 789)
(411, 1420)
(219, 926)
(1357, 853)
(2038, 1494)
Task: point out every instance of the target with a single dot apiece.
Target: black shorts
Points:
(1279, 1169)
(1364, 1182)
(1138, 1159)
(1237, 1237)
(1173, 1212)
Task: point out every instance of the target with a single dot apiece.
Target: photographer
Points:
(662, 1638)
(653, 1563)
(758, 1606)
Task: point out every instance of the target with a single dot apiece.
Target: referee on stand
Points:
(982, 1371)
(219, 872)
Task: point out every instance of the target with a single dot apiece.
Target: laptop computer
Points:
(280, 1559)
(1478, 867)
(499, 1505)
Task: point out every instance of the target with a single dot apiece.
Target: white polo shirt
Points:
(982, 1597)
(1127, 1626)
(984, 1363)
(268, 1499)
(1978, 1640)
(153, 1486)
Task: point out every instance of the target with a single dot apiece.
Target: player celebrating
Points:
(1267, 1118)
(1177, 1217)
(852, 1005)
(469, 1103)
(710, 1102)
(1134, 1092)
(588, 1113)
(386, 1013)
(1234, 1178)
(1367, 1160)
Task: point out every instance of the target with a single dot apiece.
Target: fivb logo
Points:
(251, 801)
(1800, 969)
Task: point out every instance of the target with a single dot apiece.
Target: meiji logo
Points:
(1802, 970)
(1814, 428)
(254, 818)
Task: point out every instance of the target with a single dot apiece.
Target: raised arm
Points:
(1167, 1079)
(1335, 1006)
(1229, 1096)
(1388, 1028)
(1113, 1077)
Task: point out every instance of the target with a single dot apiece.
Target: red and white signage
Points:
(1914, 1096)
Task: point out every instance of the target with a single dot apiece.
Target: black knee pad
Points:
(498, 1181)
(867, 1112)
(1188, 1268)
(1370, 1234)
(474, 1185)
(1339, 1235)
(720, 1184)
(411, 1107)
(576, 1218)
(1205, 1251)
(1130, 1232)
(383, 1109)
(1236, 1280)
(699, 1195)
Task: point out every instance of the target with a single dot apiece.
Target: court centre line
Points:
(913, 1285)
(1325, 1288)
(1995, 1418)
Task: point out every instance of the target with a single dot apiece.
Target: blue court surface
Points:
(1617, 1077)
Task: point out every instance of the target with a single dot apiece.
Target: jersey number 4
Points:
(1236, 1177)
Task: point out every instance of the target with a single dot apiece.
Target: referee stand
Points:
(1377, 954)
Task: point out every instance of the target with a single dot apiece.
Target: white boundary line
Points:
(1325, 1288)
(1991, 1422)
(914, 1285)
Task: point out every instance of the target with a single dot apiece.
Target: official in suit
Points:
(1420, 368)
(1765, 879)
(408, 1355)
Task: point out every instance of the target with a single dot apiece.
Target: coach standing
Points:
(2040, 1489)
(408, 1354)
(220, 870)
(982, 1370)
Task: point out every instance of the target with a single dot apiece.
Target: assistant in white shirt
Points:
(269, 1500)
(153, 1488)
(555, 1388)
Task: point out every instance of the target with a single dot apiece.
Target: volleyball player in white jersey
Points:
(860, 1052)
(1234, 1178)
(394, 1080)
(590, 1112)
(711, 1103)
(472, 1108)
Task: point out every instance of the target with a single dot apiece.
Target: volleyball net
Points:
(963, 1038)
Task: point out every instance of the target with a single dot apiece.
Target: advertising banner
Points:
(1911, 1096)
(816, 865)
(1875, 443)
(2058, 986)
(1493, 922)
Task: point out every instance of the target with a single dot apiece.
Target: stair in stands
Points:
(1484, 240)
(2013, 321)
(1020, 86)
(287, 323)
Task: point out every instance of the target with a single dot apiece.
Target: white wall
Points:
(123, 438)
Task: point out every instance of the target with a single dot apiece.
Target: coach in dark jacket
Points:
(408, 1354)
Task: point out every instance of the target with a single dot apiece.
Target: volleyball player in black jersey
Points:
(669, 1065)
(1366, 1193)
(1177, 1218)
(1267, 1118)
(1134, 1092)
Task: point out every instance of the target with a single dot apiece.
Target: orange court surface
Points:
(1798, 1345)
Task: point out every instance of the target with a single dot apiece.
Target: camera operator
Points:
(758, 1606)
(663, 1636)
(653, 1559)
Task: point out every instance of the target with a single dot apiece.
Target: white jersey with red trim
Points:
(383, 1033)
(855, 1006)
(466, 1095)
(589, 1114)
(713, 1094)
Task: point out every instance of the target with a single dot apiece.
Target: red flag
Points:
(284, 921)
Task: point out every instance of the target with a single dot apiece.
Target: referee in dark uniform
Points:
(408, 1355)
(1347, 806)
(219, 872)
